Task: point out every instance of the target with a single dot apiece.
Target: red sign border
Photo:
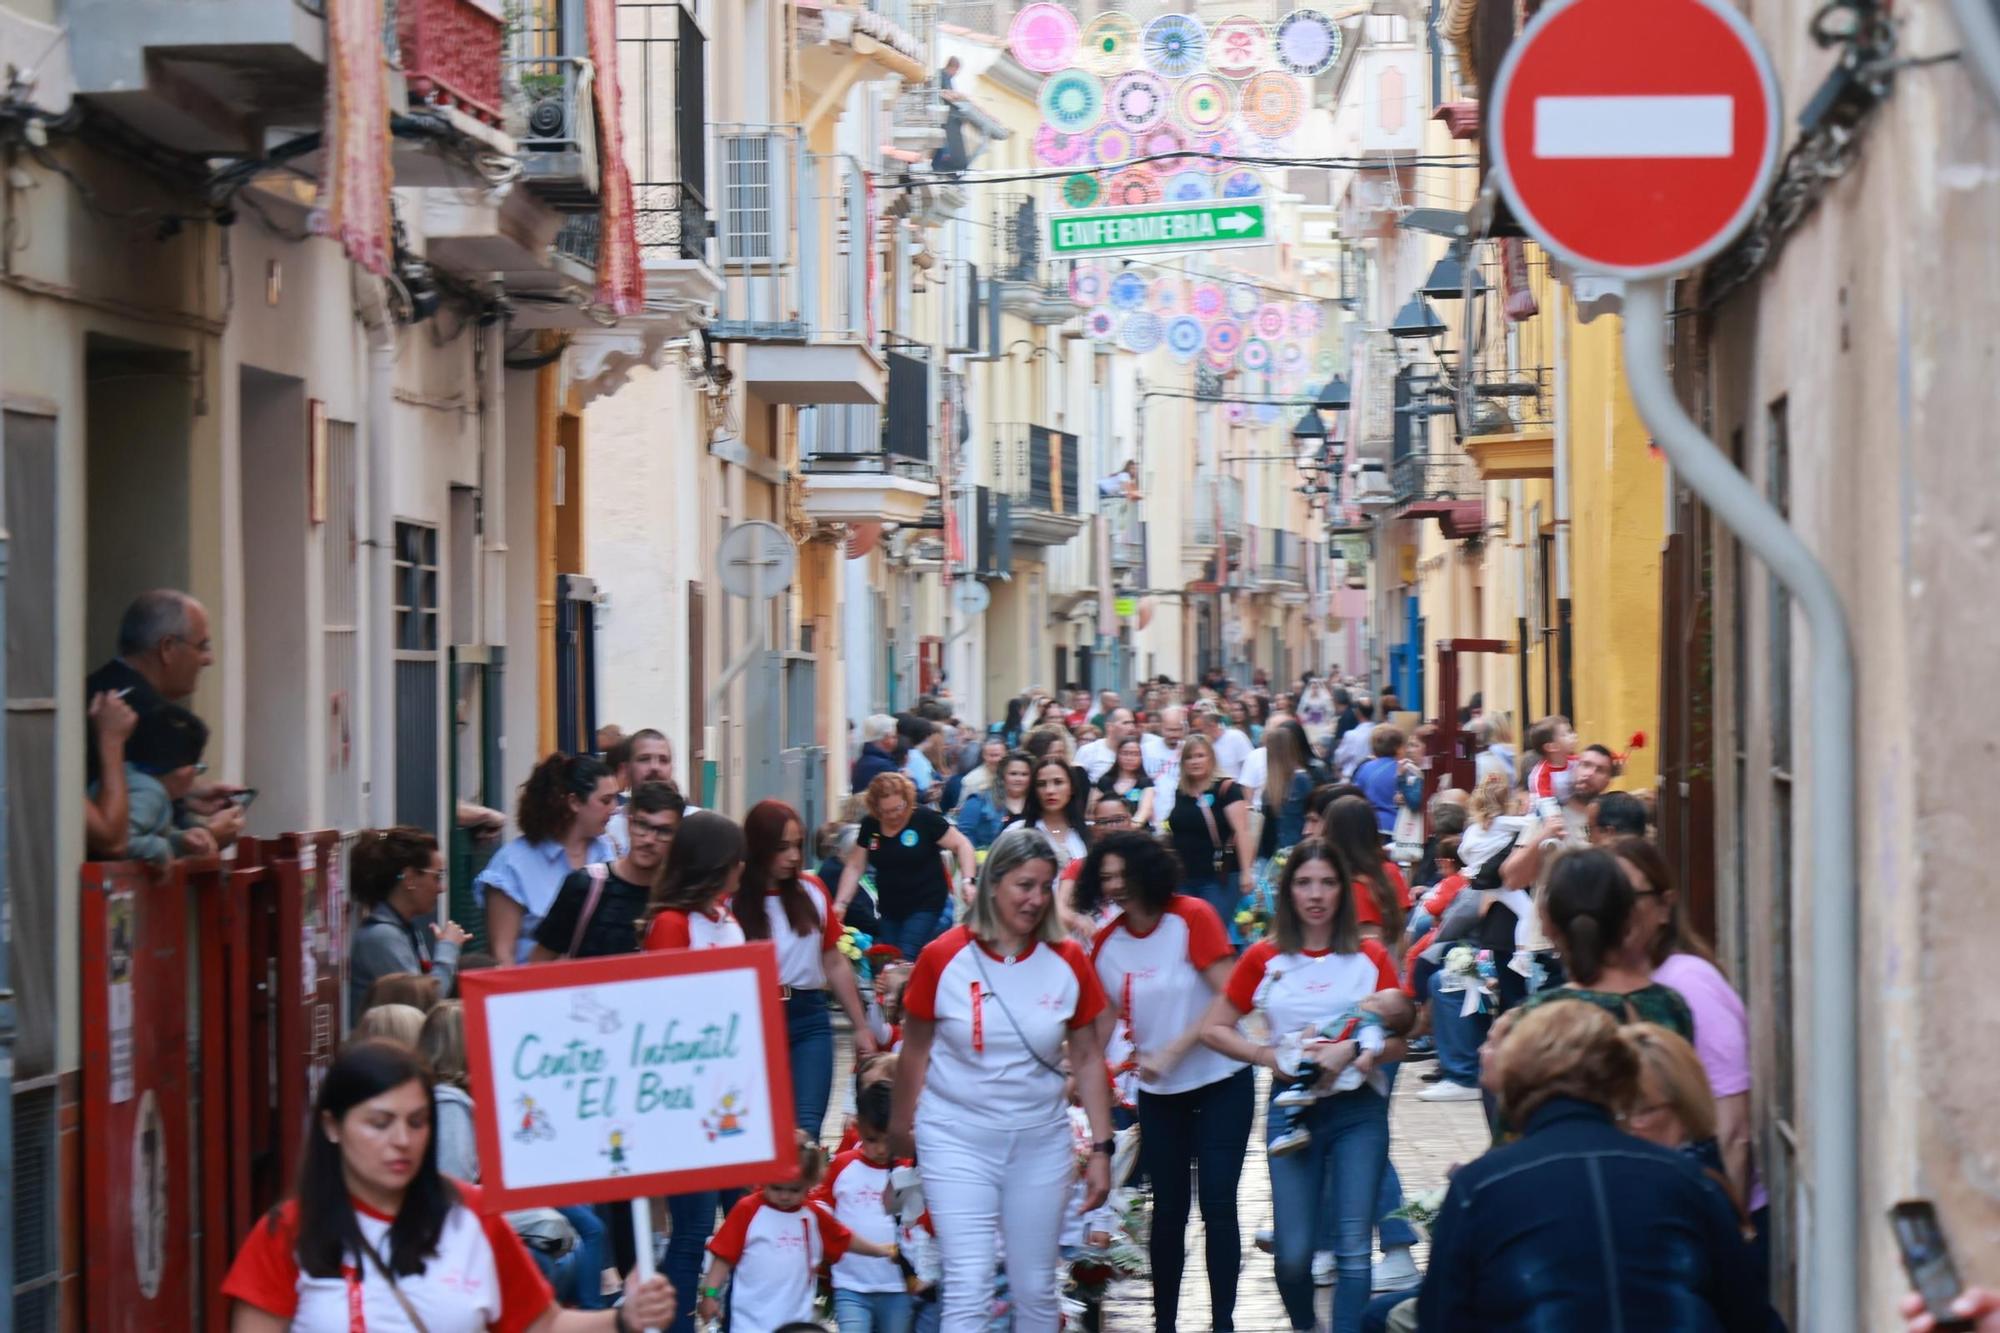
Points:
(1767, 169)
(476, 988)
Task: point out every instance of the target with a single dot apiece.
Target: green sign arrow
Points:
(1216, 225)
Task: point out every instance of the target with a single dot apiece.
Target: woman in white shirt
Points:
(1314, 970)
(1162, 963)
(1059, 809)
(377, 1238)
(991, 1011)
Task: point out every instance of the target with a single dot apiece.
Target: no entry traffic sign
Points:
(1635, 137)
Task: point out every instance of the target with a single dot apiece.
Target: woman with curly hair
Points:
(1162, 963)
(905, 845)
(397, 876)
(564, 806)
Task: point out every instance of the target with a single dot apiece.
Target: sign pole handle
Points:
(1833, 1140)
(642, 1243)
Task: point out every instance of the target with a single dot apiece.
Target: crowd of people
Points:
(1073, 951)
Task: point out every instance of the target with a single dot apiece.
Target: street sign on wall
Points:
(1635, 139)
(1214, 225)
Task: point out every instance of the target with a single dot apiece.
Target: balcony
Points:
(860, 464)
(840, 45)
(1036, 468)
(1280, 560)
(662, 75)
(1036, 289)
(549, 106)
(1446, 487)
(793, 235)
(1506, 399)
(1216, 507)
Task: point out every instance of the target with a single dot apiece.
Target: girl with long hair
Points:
(396, 876)
(376, 1236)
(782, 902)
(1209, 825)
(563, 809)
(987, 813)
(1382, 896)
(1126, 779)
(1060, 809)
(1315, 968)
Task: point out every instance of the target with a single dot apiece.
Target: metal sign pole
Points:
(1833, 1275)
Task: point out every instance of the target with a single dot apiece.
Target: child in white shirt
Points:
(870, 1295)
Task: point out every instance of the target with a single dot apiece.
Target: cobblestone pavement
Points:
(1426, 1138)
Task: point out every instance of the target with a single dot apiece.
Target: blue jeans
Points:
(911, 933)
(871, 1311)
(1222, 896)
(1339, 1174)
(1201, 1133)
(930, 1316)
(1376, 1320)
(810, 1029)
(578, 1277)
(1394, 1231)
(693, 1219)
(1458, 1037)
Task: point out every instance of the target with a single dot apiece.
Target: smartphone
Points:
(1547, 807)
(245, 798)
(1927, 1259)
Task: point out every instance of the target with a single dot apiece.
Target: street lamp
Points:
(1309, 429)
(1334, 396)
(1417, 321)
(1447, 279)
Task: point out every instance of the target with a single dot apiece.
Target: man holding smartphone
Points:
(163, 647)
(1557, 824)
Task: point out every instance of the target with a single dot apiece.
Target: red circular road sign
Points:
(1635, 137)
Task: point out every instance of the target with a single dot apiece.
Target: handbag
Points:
(598, 872)
(1215, 841)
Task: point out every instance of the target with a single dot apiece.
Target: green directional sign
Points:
(1213, 225)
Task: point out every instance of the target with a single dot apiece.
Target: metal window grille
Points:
(37, 1235)
(417, 708)
(753, 198)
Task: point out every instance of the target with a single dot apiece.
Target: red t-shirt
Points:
(1366, 912)
(481, 1279)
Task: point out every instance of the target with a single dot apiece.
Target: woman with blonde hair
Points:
(1208, 822)
(906, 846)
(991, 1013)
(400, 1023)
(1521, 1238)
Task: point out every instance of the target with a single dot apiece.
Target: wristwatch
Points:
(1105, 1146)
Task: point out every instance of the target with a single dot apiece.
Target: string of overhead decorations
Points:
(909, 178)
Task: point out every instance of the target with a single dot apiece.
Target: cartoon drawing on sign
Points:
(729, 1112)
(534, 1120)
(615, 1150)
(585, 1007)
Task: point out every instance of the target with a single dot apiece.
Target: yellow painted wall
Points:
(1617, 509)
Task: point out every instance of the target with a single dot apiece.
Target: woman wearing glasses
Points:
(398, 876)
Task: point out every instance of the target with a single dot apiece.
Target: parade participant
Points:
(1209, 826)
(769, 1253)
(1683, 961)
(1060, 809)
(1287, 787)
(1381, 894)
(1100, 756)
(564, 806)
(905, 846)
(780, 902)
(690, 910)
(1316, 966)
(1520, 1241)
(986, 813)
(989, 1014)
(869, 1294)
(596, 915)
(396, 877)
(376, 1236)
(1162, 962)
(1553, 743)
(1126, 779)
(1232, 745)
(1587, 914)
(1381, 776)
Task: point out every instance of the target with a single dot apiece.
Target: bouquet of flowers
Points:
(1423, 1209)
(856, 947)
(1253, 914)
(1473, 973)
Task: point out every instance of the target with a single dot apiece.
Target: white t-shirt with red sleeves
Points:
(1155, 982)
(853, 1189)
(1299, 990)
(674, 929)
(481, 1279)
(776, 1256)
(983, 1007)
(802, 958)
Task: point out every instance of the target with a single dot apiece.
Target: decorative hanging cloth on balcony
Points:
(353, 204)
(621, 282)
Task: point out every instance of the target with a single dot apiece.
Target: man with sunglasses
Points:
(163, 647)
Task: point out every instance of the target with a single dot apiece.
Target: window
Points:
(753, 198)
(416, 660)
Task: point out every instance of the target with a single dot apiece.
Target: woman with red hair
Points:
(782, 902)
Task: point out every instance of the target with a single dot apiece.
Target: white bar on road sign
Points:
(1691, 126)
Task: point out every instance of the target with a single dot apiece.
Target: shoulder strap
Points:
(598, 872)
(409, 1310)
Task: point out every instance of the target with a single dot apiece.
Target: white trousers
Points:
(996, 1192)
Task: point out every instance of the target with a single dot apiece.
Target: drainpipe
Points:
(6, 1000)
(1565, 700)
(378, 546)
(1518, 505)
(1833, 1243)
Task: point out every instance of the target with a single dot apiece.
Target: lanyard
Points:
(356, 1321)
(1125, 1003)
(978, 1020)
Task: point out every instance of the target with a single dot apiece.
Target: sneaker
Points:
(1266, 1239)
(1396, 1271)
(1324, 1268)
(1432, 1075)
(1295, 1096)
(1421, 1048)
(1447, 1091)
(1288, 1142)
